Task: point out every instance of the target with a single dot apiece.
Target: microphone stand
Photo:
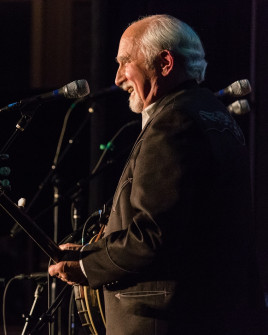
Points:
(75, 190)
(58, 159)
(20, 127)
(56, 196)
(48, 315)
(37, 294)
(76, 217)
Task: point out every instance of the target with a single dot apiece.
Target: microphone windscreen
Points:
(240, 88)
(76, 89)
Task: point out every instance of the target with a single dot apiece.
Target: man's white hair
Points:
(165, 32)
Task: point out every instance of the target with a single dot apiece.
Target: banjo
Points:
(89, 302)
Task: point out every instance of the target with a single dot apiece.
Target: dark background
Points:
(47, 44)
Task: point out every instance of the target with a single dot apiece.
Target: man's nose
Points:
(120, 77)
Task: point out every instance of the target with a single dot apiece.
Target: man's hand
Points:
(69, 270)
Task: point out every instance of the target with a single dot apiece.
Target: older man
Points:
(178, 253)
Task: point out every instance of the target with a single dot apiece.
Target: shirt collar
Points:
(147, 112)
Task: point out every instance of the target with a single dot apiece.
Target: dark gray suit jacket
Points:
(178, 255)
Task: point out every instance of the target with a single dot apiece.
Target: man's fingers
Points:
(55, 270)
(70, 246)
(68, 272)
(52, 270)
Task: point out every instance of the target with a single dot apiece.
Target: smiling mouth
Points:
(130, 90)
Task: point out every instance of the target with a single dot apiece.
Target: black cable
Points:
(4, 304)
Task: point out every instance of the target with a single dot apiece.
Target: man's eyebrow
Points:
(122, 59)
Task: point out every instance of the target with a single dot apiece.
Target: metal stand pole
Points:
(48, 316)
(37, 294)
(54, 326)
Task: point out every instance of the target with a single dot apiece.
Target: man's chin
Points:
(135, 105)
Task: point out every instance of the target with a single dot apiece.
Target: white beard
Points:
(135, 103)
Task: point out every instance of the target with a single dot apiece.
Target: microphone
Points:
(5, 171)
(74, 90)
(239, 107)
(104, 92)
(237, 89)
(16, 227)
(36, 275)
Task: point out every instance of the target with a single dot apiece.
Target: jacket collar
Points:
(161, 103)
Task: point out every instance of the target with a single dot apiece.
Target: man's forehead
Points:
(126, 48)
(136, 29)
(129, 43)
(133, 33)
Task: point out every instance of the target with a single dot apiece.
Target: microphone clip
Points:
(23, 121)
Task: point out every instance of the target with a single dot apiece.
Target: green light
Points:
(108, 146)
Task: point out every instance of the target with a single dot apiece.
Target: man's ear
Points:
(166, 61)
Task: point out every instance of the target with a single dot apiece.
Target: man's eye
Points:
(126, 61)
